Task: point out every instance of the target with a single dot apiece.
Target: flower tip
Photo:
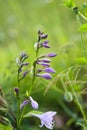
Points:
(34, 104)
(45, 76)
(51, 55)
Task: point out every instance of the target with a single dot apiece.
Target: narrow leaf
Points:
(29, 114)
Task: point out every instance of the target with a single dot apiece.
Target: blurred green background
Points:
(20, 21)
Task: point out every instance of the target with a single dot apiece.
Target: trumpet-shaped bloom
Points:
(49, 70)
(45, 76)
(46, 119)
(34, 104)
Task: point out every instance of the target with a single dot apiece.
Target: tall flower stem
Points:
(34, 68)
(18, 104)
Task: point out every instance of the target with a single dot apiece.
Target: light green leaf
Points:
(81, 61)
(29, 114)
(70, 3)
(3, 127)
(83, 28)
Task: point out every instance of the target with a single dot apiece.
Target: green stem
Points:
(79, 105)
(18, 112)
(77, 100)
(34, 71)
(82, 16)
(21, 117)
(64, 87)
(82, 41)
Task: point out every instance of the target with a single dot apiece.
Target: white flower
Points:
(46, 119)
(34, 104)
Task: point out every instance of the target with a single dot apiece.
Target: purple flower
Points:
(43, 36)
(51, 55)
(46, 119)
(34, 104)
(44, 60)
(45, 44)
(45, 76)
(16, 90)
(24, 104)
(43, 64)
(25, 73)
(49, 70)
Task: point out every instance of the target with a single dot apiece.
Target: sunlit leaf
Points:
(29, 114)
(83, 9)
(83, 28)
(82, 60)
(3, 127)
(70, 3)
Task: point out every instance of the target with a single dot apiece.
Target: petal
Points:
(34, 104)
(45, 76)
(43, 64)
(51, 55)
(49, 70)
(24, 103)
(46, 46)
(45, 60)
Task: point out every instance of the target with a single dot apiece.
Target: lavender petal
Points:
(51, 55)
(45, 76)
(49, 70)
(24, 104)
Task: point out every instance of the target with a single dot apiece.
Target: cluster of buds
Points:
(45, 71)
(21, 63)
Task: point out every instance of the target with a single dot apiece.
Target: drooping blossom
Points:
(46, 119)
(34, 104)
(45, 76)
(45, 44)
(24, 104)
(49, 70)
(16, 89)
(43, 64)
(44, 60)
(51, 55)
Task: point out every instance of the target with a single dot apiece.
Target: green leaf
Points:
(70, 3)
(29, 114)
(3, 127)
(81, 61)
(83, 28)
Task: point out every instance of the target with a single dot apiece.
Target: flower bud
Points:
(16, 90)
(45, 76)
(51, 55)
(24, 104)
(34, 104)
(49, 70)
(68, 96)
